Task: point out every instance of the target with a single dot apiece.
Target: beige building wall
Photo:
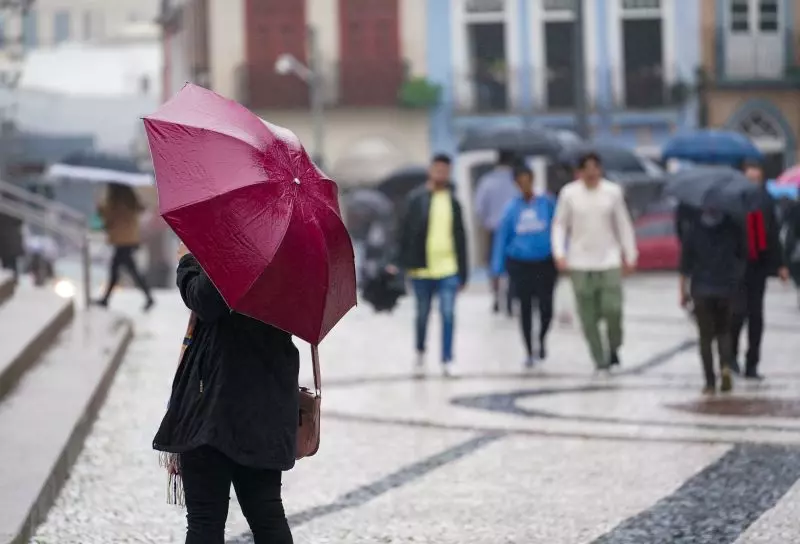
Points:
(413, 35)
(226, 44)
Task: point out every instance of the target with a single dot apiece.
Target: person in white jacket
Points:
(593, 239)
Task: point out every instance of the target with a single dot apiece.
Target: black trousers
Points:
(713, 316)
(207, 477)
(10, 264)
(749, 308)
(123, 258)
(533, 281)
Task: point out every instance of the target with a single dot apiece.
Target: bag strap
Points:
(315, 365)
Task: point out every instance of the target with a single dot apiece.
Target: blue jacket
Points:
(524, 232)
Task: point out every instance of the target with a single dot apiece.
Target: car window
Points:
(656, 229)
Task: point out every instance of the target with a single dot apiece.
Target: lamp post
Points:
(581, 115)
(288, 64)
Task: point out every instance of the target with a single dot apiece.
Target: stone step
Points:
(29, 322)
(7, 285)
(46, 418)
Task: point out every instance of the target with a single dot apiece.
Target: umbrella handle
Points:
(315, 366)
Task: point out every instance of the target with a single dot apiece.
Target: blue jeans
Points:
(425, 290)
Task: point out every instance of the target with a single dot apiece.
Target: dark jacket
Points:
(713, 257)
(769, 259)
(11, 243)
(413, 234)
(236, 387)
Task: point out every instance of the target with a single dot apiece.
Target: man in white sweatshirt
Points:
(593, 239)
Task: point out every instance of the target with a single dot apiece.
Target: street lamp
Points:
(288, 64)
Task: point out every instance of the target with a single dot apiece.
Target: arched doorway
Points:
(766, 126)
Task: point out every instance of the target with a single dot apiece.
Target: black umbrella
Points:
(97, 167)
(399, 183)
(363, 207)
(614, 158)
(715, 187)
(522, 141)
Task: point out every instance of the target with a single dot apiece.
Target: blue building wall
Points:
(621, 126)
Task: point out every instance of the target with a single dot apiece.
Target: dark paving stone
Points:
(733, 406)
(718, 504)
(405, 475)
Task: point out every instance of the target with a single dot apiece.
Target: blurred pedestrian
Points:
(120, 213)
(765, 258)
(522, 246)
(232, 416)
(432, 248)
(593, 239)
(712, 263)
(496, 189)
(11, 244)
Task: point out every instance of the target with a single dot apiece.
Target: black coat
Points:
(11, 244)
(237, 385)
(713, 256)
(413, 234)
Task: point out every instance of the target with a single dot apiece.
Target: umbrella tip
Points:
(297, 181)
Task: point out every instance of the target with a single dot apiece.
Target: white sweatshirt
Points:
(592, 227)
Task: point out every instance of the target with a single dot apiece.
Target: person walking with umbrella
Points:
(432, 248)
(496, 189)
(593, 239)
(765, 258)
(522, 245)
(711, 269)
(120, 213)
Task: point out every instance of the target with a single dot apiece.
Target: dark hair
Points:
(123, 196)
(443, 158)
(506, 157)
(589, 156)
(752, 163)
(522, 169)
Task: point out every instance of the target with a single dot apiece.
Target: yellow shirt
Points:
(440, 247)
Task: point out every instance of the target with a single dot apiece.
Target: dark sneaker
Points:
(496, 307)
(100, 303)
(709, 390)
(735, 368)
(149, 305)
(727, 381)
(753, 375)
(613, 359)
(542, 352)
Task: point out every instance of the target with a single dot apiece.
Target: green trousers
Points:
(598, 295)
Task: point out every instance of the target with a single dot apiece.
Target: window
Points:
(487, 48)
(559, 5)
(643, 54)
(87, 25)
(768, 15)
(641, 4)
(30, 30)
(758, 125)
(485, 6)
(740, 16)
(61, 26)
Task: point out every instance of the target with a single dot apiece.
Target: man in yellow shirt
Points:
(433, 251)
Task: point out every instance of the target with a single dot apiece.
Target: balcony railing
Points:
(260, 87)
(488, 92)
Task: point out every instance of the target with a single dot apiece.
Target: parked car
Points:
(659, 247)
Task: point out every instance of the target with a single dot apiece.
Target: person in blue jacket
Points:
(522, 248)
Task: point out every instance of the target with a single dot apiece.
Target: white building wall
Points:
(226, 43)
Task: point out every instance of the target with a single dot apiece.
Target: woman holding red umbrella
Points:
(232, 416)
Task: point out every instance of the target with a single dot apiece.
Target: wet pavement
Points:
(498, 454)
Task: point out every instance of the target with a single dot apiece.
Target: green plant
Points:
(418, 92)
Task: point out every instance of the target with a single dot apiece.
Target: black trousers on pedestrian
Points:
(749, 308)
(123, 258)
(10, 264)
(207, 477)
(713, 316)
(533, 281)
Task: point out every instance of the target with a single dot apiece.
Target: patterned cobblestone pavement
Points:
(497, 455)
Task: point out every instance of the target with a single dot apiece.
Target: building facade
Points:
(751, 66)
(511, 62)
(367, 49)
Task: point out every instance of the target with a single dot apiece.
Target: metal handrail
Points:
(54, 217)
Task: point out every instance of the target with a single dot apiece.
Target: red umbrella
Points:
(262, 220)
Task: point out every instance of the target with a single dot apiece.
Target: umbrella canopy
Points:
(523, 141)
(262, 220)
(400, 183)
(363, 207)
(100, 168)
(715, 187)
(790, 176)
(711, 147)
(783, 190)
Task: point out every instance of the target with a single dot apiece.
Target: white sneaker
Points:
(419, 366)
(447, 371)
(602, 373)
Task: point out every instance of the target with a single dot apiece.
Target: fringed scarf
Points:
(172, 461)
